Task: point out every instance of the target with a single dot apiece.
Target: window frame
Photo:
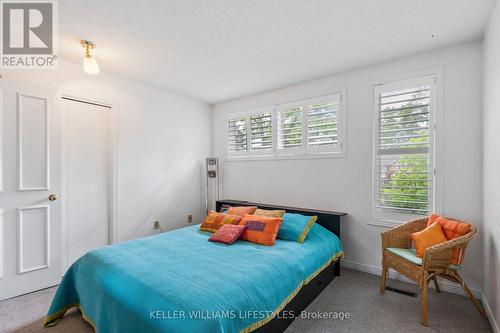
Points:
(434, 79)
(302, 152)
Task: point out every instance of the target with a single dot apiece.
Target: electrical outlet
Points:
(156, 225)
(190, 218)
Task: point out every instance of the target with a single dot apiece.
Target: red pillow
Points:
(227, 234)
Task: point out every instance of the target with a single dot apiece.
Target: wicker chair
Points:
(433, 264)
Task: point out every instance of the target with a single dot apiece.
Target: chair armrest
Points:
(438, 256)
(400, 235)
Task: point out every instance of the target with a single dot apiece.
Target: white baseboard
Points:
(491, 318)
(450, 287)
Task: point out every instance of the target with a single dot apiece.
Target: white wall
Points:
(491, 166)
(163, 139)
(343, 184)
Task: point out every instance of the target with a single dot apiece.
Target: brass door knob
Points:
(52, 197)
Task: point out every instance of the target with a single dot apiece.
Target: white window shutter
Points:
(305, 127)
(289, 127)
(322, 124)
(237, 135)
(261, 132)
(323, 130)
(403, 166)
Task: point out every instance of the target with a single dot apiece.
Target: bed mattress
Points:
(178, 281)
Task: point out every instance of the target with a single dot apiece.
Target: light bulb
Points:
(90, 65)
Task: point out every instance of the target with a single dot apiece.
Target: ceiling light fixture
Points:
(90, 65)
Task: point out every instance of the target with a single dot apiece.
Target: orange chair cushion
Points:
(241, 210)
(452, 229)
(260, 229)
(213, 221)
(430, 236)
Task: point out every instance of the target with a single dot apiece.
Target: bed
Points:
(179, 282)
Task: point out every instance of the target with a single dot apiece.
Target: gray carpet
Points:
(354, 292)
(358, 294)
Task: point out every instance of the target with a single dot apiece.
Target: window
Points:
(306, 127)
(404, 147)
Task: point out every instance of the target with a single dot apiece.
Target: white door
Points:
(30, 223)
(86, 177)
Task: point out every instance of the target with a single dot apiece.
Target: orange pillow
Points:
(270, 213)
(260, 229)
(432, 235)
(241, 210)
(213, 221)
(452, 229)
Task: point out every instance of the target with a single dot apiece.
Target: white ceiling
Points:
(215, 50)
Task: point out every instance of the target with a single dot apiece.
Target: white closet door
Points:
(87, 161)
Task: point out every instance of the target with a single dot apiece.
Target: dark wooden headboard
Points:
(328, 219)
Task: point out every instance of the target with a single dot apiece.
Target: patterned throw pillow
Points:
(269, 213)
(241, 210)
(213, 221)
(296, 226)
(227, 234)
(260, 229)
(452, 229)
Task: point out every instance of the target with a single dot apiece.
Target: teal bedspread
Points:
(180, 282)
